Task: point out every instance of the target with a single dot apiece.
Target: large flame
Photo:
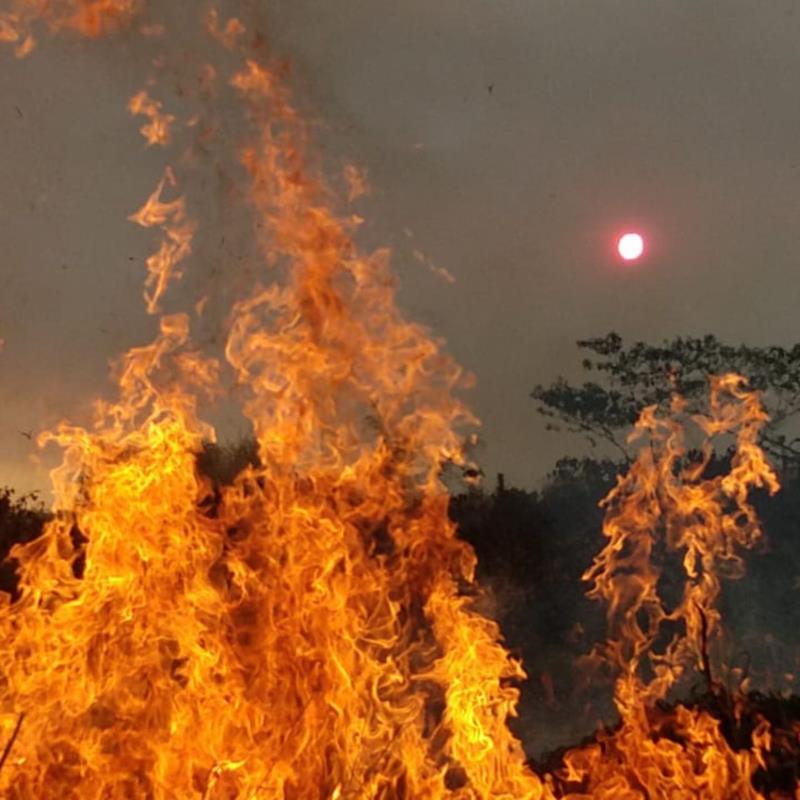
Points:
(310, 630)
(306, 632)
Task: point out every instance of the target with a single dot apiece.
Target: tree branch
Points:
(11, 741)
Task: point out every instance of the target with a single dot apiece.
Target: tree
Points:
(22, 518)
(630, 378)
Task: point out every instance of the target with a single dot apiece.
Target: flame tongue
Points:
(666, 502)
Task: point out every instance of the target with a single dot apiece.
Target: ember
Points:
(310, 630)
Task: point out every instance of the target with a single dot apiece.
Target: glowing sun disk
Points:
(630, 246)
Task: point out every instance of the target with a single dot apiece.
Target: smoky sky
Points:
(507, 142)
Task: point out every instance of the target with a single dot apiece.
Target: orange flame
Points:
(306, 632)
(92, 18)
(162, 266)
(666, 501)
(157, 129)
(704, 520)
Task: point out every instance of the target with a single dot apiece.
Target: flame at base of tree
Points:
(667, 507)
(310, 631)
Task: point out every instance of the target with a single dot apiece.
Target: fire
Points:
(162, 266)
(157, 129)
(90, 18)
(667, 503)
(310, 631)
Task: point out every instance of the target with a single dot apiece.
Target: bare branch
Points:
(11, 741)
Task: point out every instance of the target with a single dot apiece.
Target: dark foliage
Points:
(222, 463)
(22, 518)
(532, 549)
(629, 378)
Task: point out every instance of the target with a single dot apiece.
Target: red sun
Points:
(630, 246)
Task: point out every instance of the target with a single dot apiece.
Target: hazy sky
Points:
(679, 117)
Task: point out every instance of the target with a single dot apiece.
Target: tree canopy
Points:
(632, 377)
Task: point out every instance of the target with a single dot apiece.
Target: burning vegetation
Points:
(311, 629)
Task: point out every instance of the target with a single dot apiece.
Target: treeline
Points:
(533, 548)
